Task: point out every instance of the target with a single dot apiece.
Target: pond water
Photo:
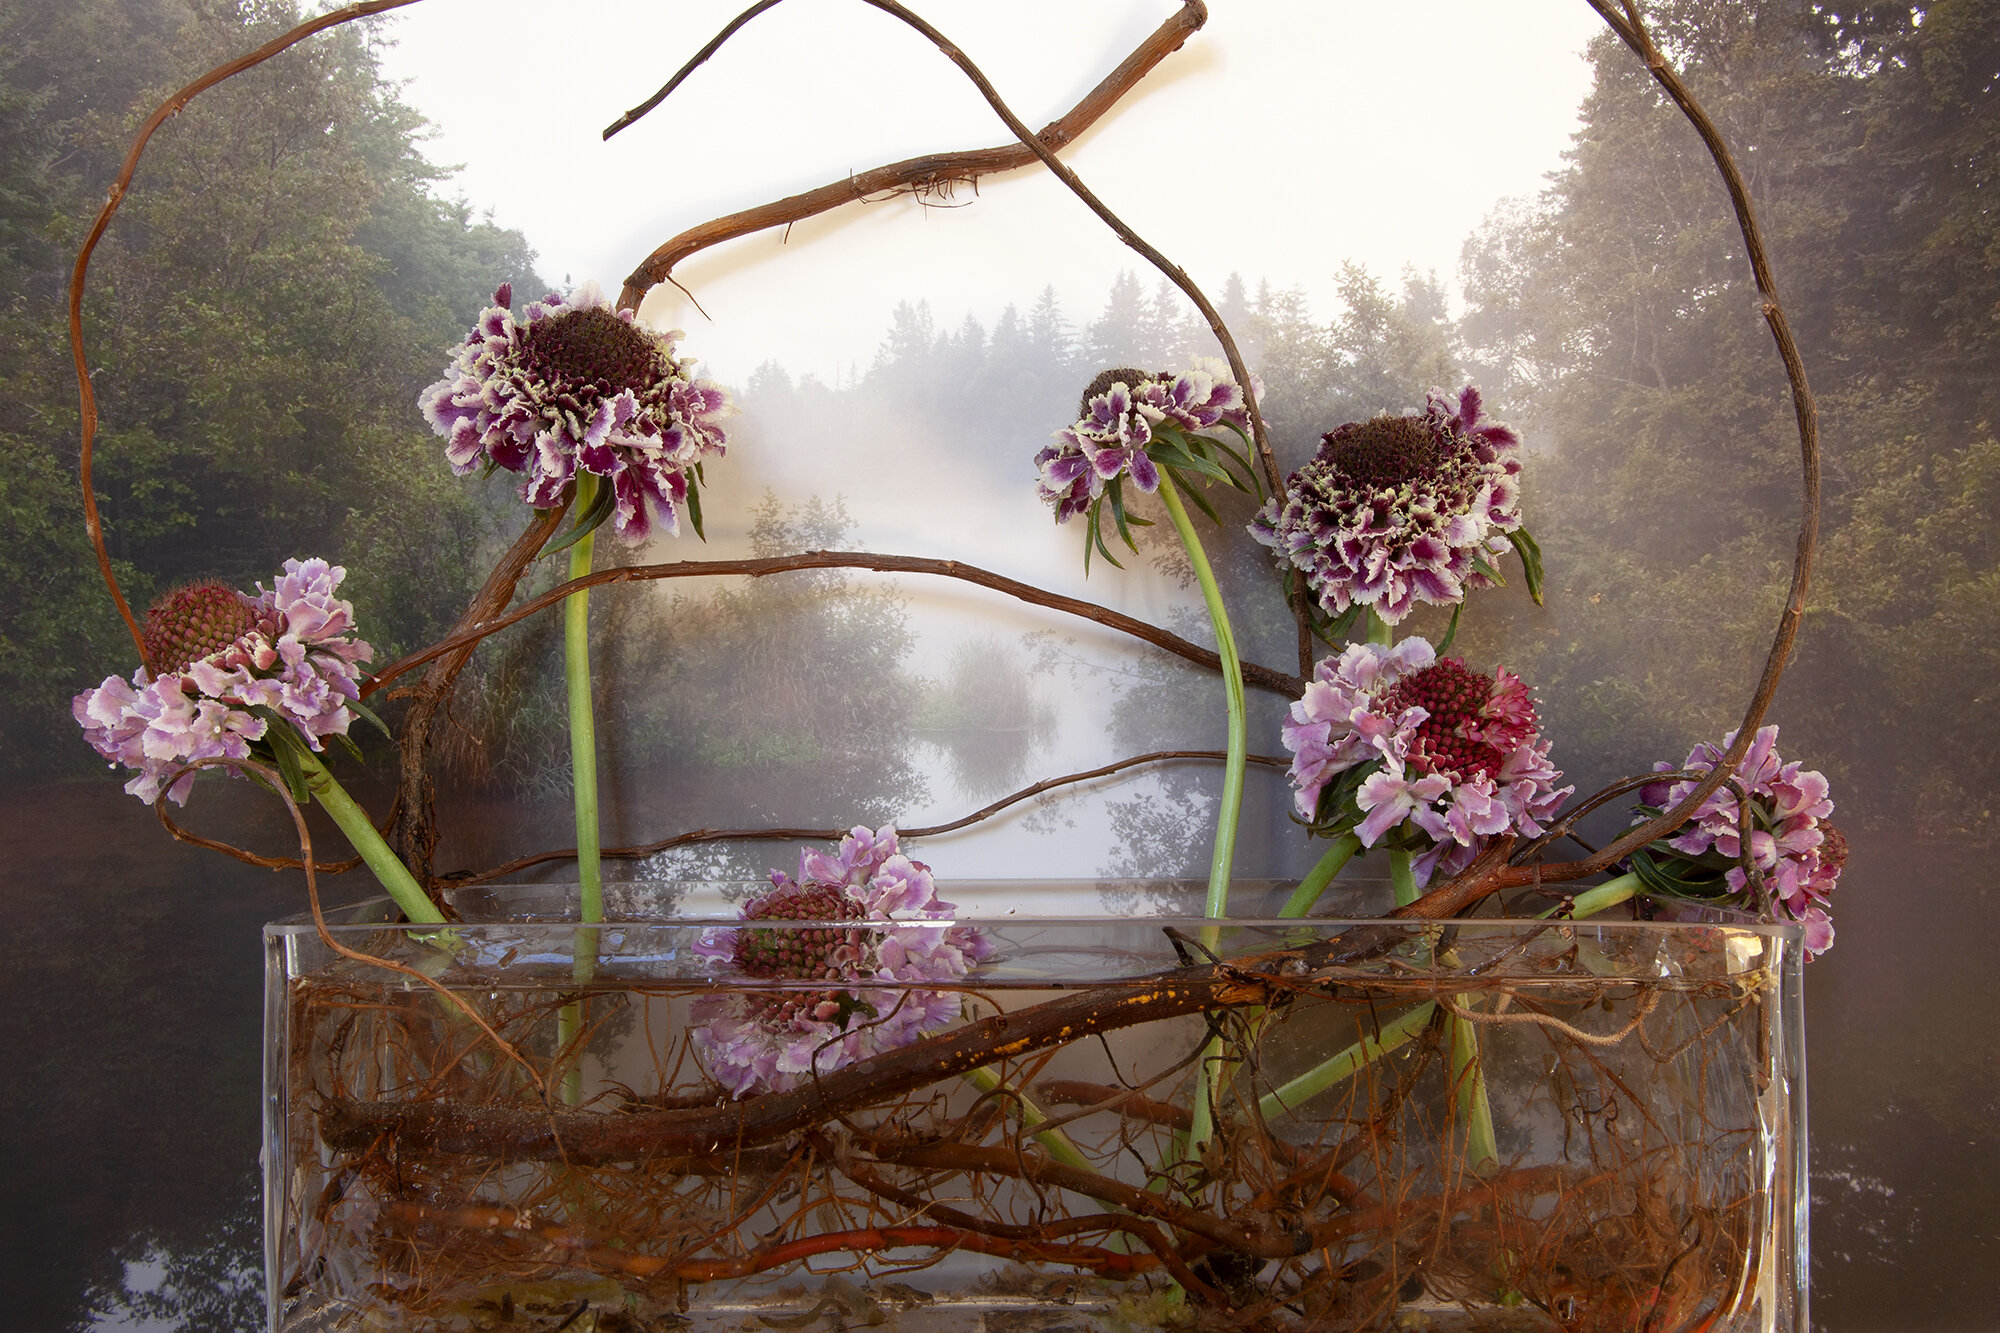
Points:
(131, 1048)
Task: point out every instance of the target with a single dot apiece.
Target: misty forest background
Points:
(290, 269)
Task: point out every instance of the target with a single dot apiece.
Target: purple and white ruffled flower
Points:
(576, 385)
(1793, 844)
(221, 654)
(1119, 419)
(831, 994)
(1400, 510)
(1454, 755)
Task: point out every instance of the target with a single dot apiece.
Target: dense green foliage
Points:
(1617, 317)
(280, 283)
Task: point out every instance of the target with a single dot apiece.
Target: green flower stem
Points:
(1468, 1076)
(582, 730)
(360, 831)
(1324, 1075)
(583, 783)
(1399, 1031)
(1059, 1144)
(1379, 630)
(1401, 878)
(1592, 901)
(1338, 854)
(1217, 903)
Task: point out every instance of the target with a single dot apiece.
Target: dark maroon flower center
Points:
(1383, 452)
(1832, 847)
(1124, 375)
(1448, 741)
(591, 348)
(806, 953)
(192, 621)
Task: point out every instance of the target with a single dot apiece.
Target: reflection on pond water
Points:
(127, 1199)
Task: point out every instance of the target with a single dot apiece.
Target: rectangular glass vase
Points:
(1106, 1124)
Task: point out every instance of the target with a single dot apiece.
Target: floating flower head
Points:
(1797, 851)
(222, 656)
(1398, 510)
(1133, 422)
(836, 992)
(1395, 743)
(576, 385)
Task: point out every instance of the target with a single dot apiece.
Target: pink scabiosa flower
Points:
(1795, 848)
(1131, 423)
(1391, 743)
(1400, 510)
(230, 664)
(836, 992)
(575, 384)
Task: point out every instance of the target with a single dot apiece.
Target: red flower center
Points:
(1383, 452)
(579, 350)
(1459, 738)
(193, 621)
(807, 953)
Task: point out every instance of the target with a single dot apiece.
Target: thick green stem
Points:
(1059, 1144)
(1594, 900)
(1338, 854)
(1232, 683)
(360, 830)
(1328, 1072)
(582, 728)
(1217, 903)
(583, 783)
(1405, 1026)
(1401, 878)
(1379, 630)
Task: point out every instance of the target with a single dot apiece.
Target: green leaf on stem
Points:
(694, 504)
(368, 715)
(1531, 561)
(1114, 493)
(1451, 630)
(591, 521)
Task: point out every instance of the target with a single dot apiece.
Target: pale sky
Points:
(1280, 140)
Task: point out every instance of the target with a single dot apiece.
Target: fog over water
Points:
(898, 369)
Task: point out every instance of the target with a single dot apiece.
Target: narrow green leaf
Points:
(694, 507)
(1531, 561)
(1115, 494)
(1199, 501)
(367, 714)
(591, 521)
(1451, 632)
(1480, 565)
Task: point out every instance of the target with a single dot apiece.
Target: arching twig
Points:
(86, 395)
(912, 174)
(692, 836)
(1261, 676)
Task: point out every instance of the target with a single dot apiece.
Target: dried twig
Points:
(924, 174)
(1261, 676)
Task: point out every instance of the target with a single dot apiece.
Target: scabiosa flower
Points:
(1121, 413)
(1391, 738)
(575, 384)
(1792, 843)
(1399, 510)
(842, 991)
(221, 654)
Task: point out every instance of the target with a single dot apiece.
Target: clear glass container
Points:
(1117, 1123)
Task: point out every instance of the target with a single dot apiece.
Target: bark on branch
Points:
(931, 173)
